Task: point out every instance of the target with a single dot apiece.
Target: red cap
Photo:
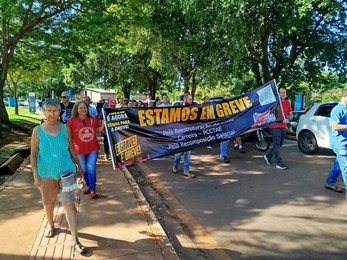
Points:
(112, 102)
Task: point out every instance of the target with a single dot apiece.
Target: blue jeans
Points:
(340, 162)
(278, 135)
(186, 163)
(333, 173)
(223, 146)
(88, 164)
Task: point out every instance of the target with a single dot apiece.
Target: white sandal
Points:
(80, 248)
(49, 231)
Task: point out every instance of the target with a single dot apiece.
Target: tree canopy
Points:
(205, 46)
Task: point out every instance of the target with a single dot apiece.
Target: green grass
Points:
(22, 123)
(23, 114)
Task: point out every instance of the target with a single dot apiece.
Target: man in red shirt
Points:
(278, 131)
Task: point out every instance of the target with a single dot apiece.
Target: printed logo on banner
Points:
(266, 95)
(263, 119)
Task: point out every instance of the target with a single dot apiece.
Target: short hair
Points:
(51, 102)
(65, 93)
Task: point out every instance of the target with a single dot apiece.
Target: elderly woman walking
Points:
(52, 154)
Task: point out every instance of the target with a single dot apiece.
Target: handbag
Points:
(68, 181)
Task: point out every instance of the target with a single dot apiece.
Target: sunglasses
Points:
(63, 97)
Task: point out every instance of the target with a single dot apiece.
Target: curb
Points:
(14, 175)
(162, 240)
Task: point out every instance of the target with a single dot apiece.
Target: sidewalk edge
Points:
(163, 241)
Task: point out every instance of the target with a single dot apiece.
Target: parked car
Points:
(293, 123)
(313, 131)
(20, 102)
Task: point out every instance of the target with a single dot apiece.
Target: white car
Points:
(313, 131)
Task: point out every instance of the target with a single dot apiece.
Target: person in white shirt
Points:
(164, 101)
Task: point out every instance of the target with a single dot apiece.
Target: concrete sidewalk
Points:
(118, 225)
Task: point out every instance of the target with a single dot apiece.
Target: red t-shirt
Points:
(84, 134)
(286, 110)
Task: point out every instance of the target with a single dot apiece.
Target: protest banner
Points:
(139, 134)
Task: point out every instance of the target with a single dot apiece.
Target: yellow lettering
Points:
(219, 110)
(226, 109)
(165, 116)
(239, 103)
(157, 115)
(132, 152)
(185, 113)
(247, 102)
(117, 148)
(175, 115)
(149, 116)
(233, 107)
(141, 117)
(194, 113)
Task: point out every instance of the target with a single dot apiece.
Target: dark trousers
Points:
(106, 146)
(278, 135)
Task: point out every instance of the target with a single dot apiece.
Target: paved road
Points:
(249, 209)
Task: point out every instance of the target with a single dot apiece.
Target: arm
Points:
(73, 152)
(101, 126)
(338, 127)
(33, 157)
(290, 115)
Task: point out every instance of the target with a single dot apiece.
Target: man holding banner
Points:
(278, 131)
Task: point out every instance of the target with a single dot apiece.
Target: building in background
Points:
(97, 94)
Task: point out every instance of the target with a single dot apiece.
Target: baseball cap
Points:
(112, 102)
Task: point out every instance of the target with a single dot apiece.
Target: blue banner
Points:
(138, 134)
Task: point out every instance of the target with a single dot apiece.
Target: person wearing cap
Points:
(111, 104)
(65, 107)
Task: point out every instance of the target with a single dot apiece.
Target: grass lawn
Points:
(23, 114)
(18, 131)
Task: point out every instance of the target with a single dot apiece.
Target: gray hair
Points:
(51, 102)
(65, 93)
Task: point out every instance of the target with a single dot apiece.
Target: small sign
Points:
(32, 102)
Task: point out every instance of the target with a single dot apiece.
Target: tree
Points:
(289, 41)
(19, 19)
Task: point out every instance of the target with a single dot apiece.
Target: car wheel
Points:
(307, 142)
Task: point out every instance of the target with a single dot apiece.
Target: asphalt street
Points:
(247, 209)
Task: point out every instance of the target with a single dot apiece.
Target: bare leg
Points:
(49, 208)
(68, 201)
(238, 141)
(71, 217)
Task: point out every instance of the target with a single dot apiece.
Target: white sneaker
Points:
(267, 160)
(281, 167)
(174, 169)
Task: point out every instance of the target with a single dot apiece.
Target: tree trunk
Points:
(194, 83)
(4, 119)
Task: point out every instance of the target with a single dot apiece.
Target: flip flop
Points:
(80, 248)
